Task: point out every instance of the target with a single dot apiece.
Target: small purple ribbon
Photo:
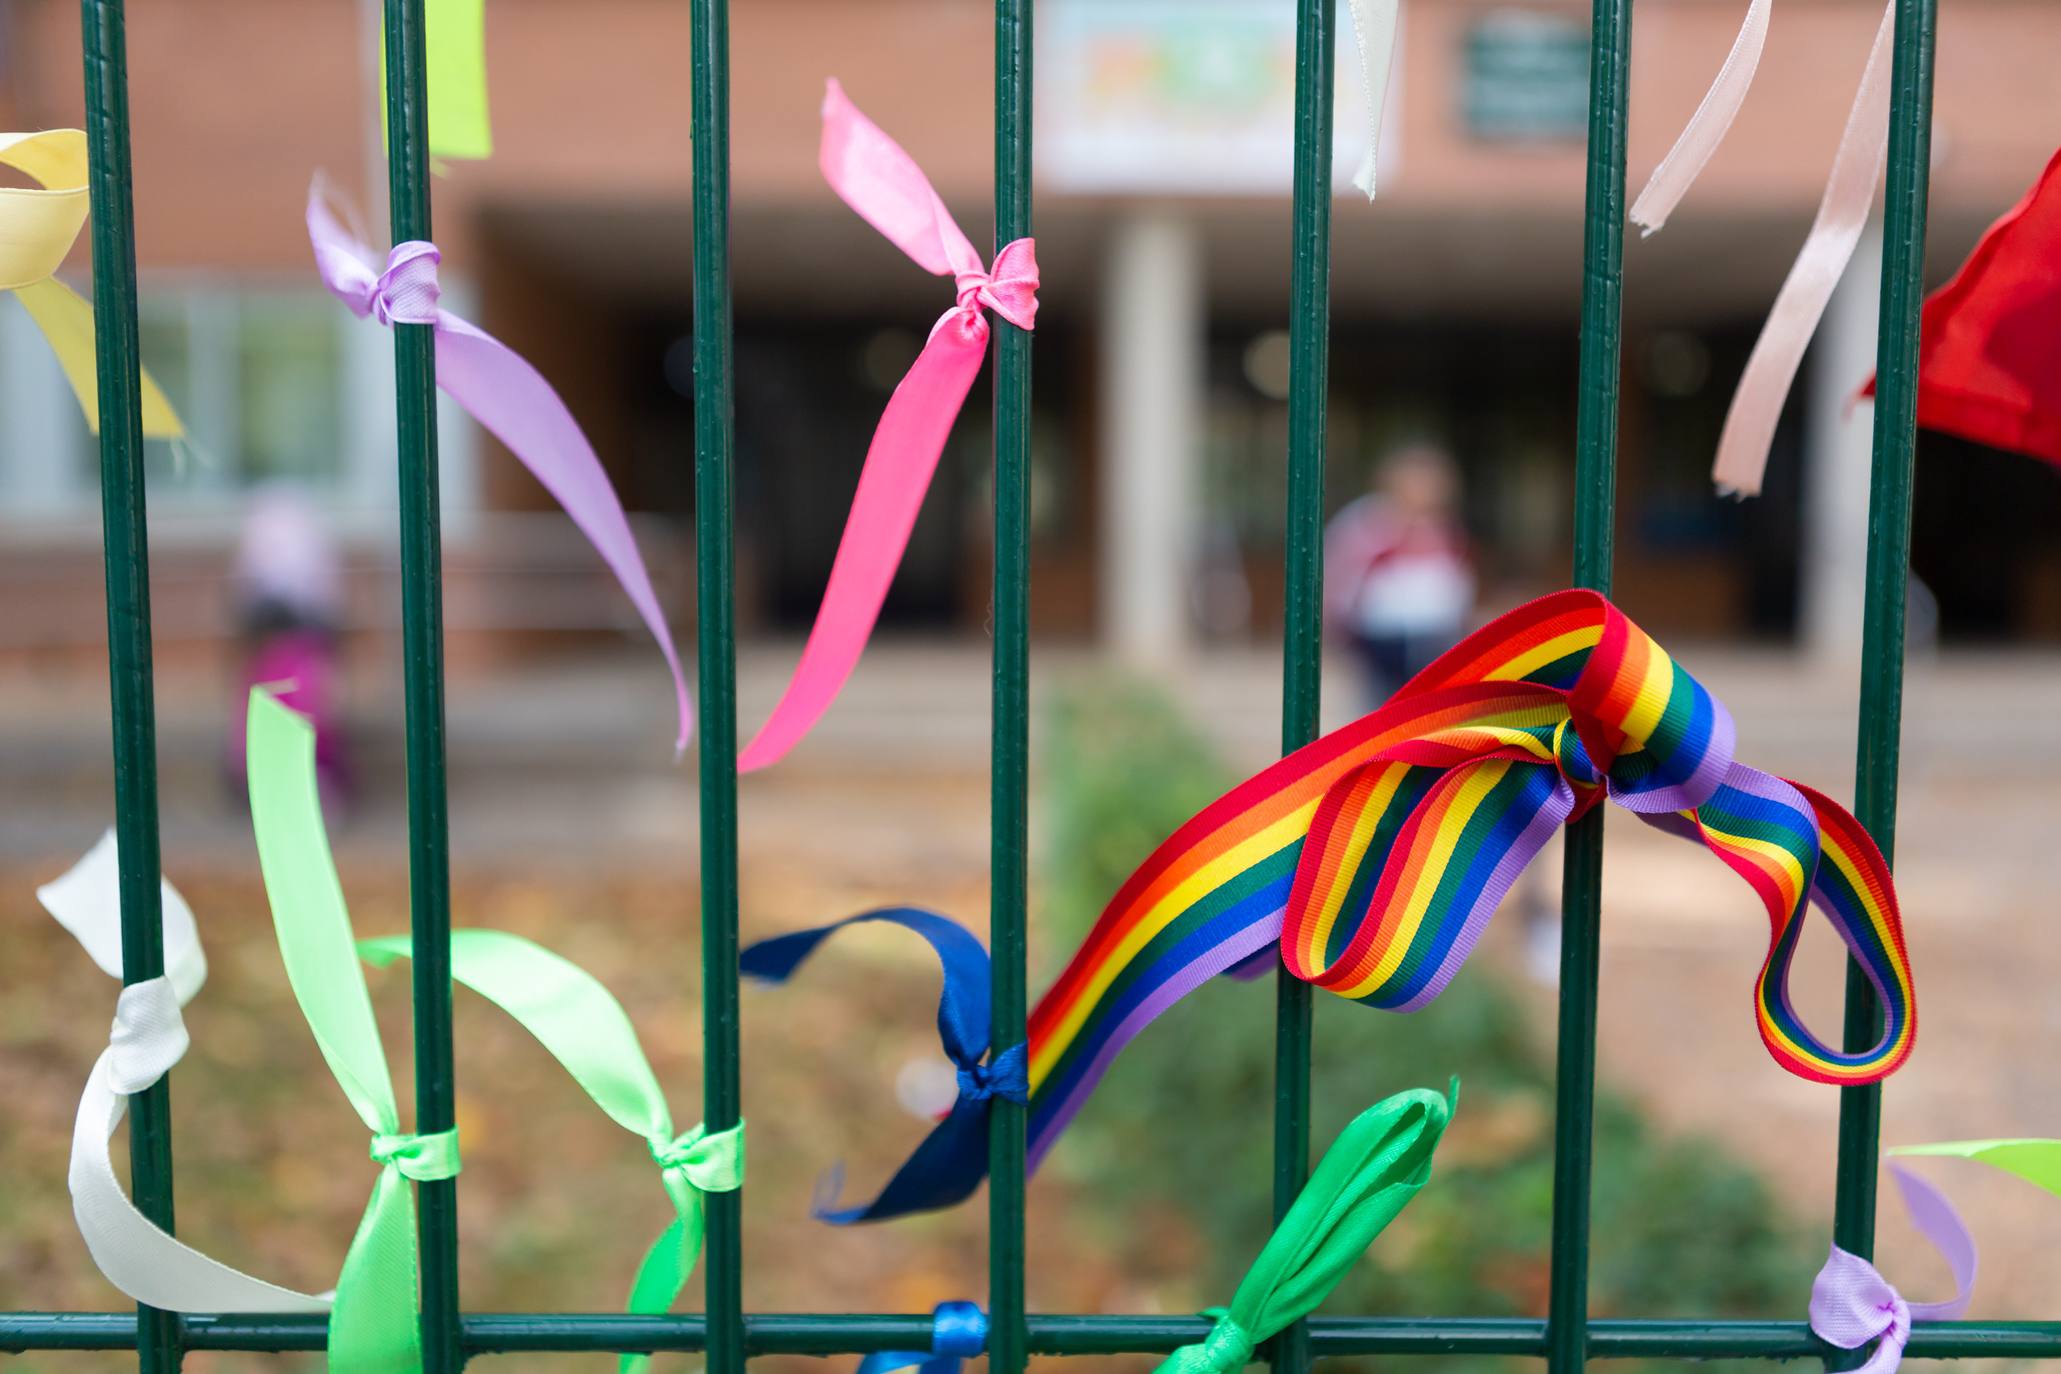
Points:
(1852, 1304)
(510, 399)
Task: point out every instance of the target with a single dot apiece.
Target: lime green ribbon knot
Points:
(1377, 1164)
(424, 1158)
(372, 1329)
(698, 1163)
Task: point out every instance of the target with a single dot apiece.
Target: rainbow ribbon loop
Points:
(958, 1332)
(1410, 851)
(883, 184)
(952, 1159)
(1379, 1162)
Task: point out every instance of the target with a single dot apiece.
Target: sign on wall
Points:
(1188, 97)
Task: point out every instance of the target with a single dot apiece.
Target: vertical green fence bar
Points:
(1889, 561)
(127, 550)
(1009, 779)
(1309, 343)
(422, 649)
(716, 654)
(1595, 509)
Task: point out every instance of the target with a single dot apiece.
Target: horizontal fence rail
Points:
(1568, 1337)
(798, 1333)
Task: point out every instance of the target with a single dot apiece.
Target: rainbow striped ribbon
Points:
(1419, 816)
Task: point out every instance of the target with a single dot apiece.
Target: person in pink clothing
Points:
(1399, 579)
(288, 590)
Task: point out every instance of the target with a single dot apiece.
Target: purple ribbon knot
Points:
(407, 292)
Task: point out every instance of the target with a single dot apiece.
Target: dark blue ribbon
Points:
(959, 1331)
(953, 1158)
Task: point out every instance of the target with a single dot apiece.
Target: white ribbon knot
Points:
(149, 1035)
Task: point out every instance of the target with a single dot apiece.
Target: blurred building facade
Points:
(1163, 154)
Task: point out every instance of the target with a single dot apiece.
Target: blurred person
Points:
(288, 608)
(1399, 579)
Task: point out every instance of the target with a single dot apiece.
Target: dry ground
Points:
(571, 825)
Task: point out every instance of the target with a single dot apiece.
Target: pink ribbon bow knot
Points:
(883, 184)
(511, 400)
(1010, 290)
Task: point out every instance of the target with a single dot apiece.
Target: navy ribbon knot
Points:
(952, 1159)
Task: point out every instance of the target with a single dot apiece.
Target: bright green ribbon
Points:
(586, 1029)
(1369, 1174)
(373, 1328)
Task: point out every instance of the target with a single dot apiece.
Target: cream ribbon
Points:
(1374, 29)
(148, 1038)
(37, 230)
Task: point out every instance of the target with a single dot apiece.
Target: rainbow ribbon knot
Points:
(1377, 854)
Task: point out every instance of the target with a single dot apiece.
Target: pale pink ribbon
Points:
(1707, 127)
(498, 387)
(889, 191)
(1852, 1304)
(1742, 455)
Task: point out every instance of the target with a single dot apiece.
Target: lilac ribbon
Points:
(1852, 1304)
(498, 387)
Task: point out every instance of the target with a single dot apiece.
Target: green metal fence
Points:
(728, 1335)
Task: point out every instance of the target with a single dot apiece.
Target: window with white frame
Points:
(271, 383)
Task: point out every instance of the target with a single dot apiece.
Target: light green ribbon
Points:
(587, 1030)
(1369, 1174)
(373, 1328)
(2036, 1161)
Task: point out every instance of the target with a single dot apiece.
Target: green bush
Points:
(1176, 1147)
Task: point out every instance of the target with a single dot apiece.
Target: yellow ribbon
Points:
(37, 230)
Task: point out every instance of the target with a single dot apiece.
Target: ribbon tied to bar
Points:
(38, 226)
(884, 185)
(1852, 1304)
(148, 1037)
(952, 1158)
(373, 1327)
(958, 1332)
(508, 397)
(1380, 1161)
(1374, 858)
(582, 1025)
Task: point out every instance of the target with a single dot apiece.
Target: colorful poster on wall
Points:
(1189, 97)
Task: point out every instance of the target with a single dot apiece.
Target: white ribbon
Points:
(148, 1037)
(1374, 25)
(1707, 127)
(1742, 454)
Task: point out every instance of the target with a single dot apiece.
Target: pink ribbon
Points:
(889, 191)
(1707, 127)
(510, 398)
(1742, 455)
(1852, 1304)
